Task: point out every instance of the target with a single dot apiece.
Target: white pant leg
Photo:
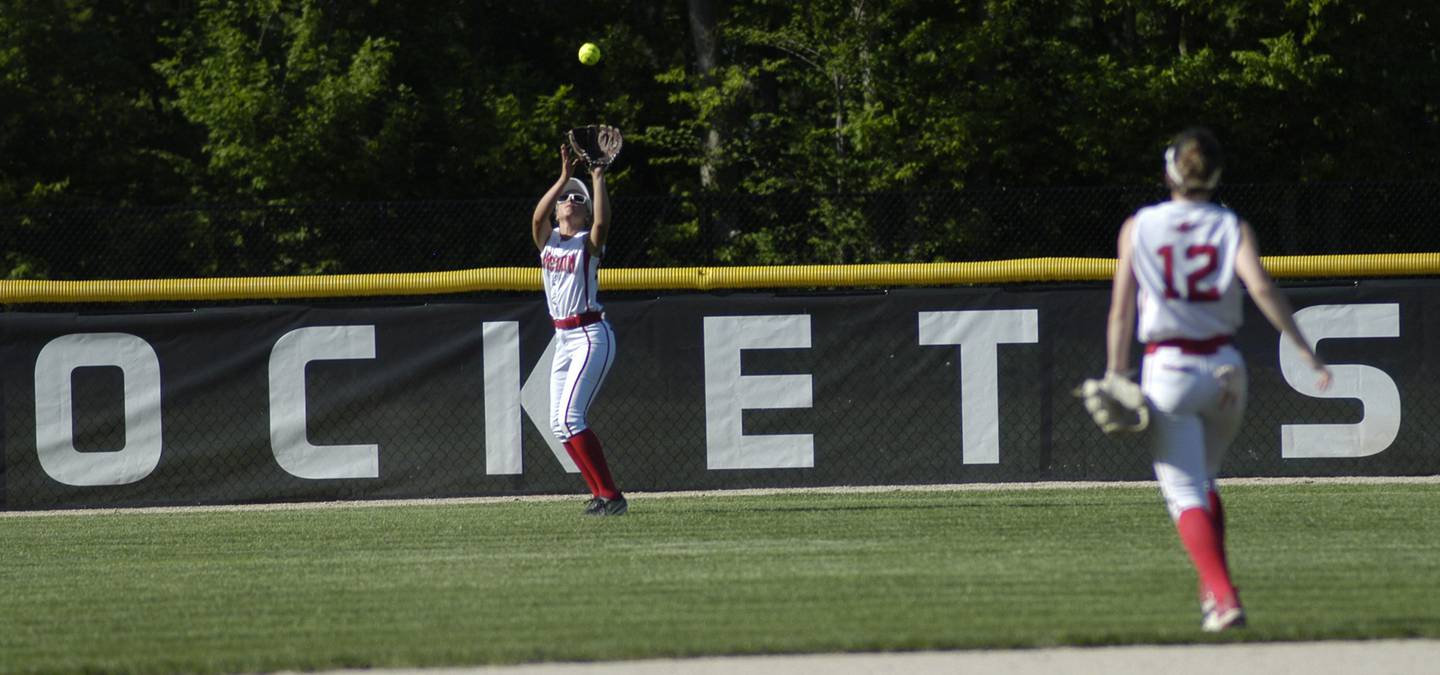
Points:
(1223, 420)
(1179, 461)
(559, 377)
(583, 357)
(1195, 421)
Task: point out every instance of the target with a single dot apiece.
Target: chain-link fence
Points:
(781, 229)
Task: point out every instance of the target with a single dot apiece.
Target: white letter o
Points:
(55, 414)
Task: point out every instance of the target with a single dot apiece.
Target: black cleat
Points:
(600, 506)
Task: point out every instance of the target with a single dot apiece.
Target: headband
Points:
(1173, 171)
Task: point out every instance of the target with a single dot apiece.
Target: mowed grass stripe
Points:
(452, 584)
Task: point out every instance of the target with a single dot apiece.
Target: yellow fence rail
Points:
(1028, 270)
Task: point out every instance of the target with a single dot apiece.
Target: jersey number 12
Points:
(1194, 291)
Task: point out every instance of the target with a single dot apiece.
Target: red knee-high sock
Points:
(1202, 542)
(1217, 513)
(580, 461)
(587, 444)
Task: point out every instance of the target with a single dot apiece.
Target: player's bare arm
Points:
(540, 220)
(600, 228)
(1272, 303)
(1120, 327)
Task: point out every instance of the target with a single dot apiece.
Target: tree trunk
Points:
(705, 35)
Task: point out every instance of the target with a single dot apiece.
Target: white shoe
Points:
(1219, 617)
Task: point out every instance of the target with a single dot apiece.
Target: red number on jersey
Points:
(1194, 291)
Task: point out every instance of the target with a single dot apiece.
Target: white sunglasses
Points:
(572, 197)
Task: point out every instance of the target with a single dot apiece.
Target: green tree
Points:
(82, 115)
(844, 96)
(862, 113)
(83, 123)
(307, 102)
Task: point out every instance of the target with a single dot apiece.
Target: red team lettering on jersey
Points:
(1185, 264)
(554, 263)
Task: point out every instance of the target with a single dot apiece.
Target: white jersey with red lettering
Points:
(1189, 305)
(570, 273)
(1184, 259)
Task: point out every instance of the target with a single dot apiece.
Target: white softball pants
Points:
(1198, 409)
(583, 357)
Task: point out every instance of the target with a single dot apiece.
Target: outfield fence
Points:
(709, 391)
(939, 226)
(424, 375)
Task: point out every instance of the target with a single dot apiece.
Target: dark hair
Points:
(1193, 161)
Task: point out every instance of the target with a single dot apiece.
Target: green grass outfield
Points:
(503, 582)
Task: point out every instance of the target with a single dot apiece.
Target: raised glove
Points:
(597, 144)
(1115, 403)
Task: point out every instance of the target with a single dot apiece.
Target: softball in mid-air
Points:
(589, 54)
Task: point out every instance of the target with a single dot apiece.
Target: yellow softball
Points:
(589, 54)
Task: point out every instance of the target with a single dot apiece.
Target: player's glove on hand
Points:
(597, 144)
(1115, 403)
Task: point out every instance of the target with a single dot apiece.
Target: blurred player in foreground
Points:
(584, 341)
(1179, 261)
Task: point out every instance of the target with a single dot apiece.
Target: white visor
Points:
(577, 185)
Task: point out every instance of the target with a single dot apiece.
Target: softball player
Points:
(585, 343)
(1179, 261)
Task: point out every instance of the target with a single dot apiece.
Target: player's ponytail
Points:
(1193, 161)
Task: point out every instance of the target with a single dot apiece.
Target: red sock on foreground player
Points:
(1202, 542)
(1217, 513)
(1203, 534)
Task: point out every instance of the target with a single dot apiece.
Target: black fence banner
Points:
(918, 386)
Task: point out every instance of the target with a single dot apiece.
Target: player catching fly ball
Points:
(570, 254)
(1178, 265)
